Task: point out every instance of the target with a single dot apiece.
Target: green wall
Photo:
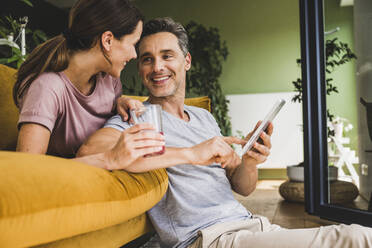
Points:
(262, 36)
(343, 104)
(263, 39)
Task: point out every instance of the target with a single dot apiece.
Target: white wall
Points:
(287, 139)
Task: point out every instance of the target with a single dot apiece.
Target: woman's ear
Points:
(107, 39)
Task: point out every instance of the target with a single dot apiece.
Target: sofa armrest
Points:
(45, 198)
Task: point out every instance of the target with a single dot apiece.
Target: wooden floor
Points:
(266, 201)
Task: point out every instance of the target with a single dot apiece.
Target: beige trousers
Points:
(259, 232)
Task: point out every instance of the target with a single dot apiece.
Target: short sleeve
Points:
(117, 123)
(41, 104)
(213, 122)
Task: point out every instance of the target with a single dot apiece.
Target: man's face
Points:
(162, 65)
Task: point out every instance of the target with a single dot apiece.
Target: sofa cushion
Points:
(109, 237)
(8, 110)
(45, 198)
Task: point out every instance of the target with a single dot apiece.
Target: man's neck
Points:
(174, 105)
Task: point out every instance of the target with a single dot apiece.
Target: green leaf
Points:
(28, 2)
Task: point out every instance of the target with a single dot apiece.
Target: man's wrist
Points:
(188, 155)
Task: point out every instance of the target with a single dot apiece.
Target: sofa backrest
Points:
(8, 111)
(201, 102)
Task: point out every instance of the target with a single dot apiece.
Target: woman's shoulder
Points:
(49, 81)
(110, 80)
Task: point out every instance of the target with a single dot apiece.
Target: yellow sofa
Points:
(47, 201)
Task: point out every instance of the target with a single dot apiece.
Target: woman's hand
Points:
(134, 143)
(125, 104)
(216, 150)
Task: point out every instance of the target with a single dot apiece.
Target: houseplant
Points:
(11, 29)
(337, 53)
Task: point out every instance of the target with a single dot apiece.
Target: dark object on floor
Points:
(341, 191)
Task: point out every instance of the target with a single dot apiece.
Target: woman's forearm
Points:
(172, 156)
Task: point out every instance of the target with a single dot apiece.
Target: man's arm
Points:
(243, 178)
(111, 149)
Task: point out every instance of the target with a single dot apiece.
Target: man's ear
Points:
(188, 61)
(107, 39)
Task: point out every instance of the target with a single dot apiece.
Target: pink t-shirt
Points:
(71, 117)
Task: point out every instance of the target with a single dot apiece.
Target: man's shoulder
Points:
(197, 110)
(117, 123)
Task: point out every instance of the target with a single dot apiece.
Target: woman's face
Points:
(124, 50)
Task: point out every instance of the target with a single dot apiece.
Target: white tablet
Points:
(262, 127)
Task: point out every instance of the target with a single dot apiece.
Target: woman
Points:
(69, 86)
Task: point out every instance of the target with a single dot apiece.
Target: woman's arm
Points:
(111, 149)
(33, 138)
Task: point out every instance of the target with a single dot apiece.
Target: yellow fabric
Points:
(53, 202)
(201, 102)
(45, 198)
(109, 237)
(8, 110)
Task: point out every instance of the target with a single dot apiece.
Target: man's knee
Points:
(356, 235)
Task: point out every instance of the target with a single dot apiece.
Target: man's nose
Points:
(158, 65)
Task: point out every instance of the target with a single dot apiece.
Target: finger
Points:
(124, 115)
(148, 143)
(270, 128)
(139, 127)
(250, 134)
(139, 105)
(261, 149)
(148, 150)
(257, 156)
(266, 140)
(234, 140)
(148, 135)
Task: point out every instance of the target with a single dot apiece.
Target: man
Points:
(199, 209)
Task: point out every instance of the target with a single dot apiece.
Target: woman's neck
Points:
(82, 70)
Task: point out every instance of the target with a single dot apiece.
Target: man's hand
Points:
(216, 150)
(261, 148)
(243, 178)
(125, 104)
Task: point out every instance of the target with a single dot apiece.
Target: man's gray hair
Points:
(167, 24)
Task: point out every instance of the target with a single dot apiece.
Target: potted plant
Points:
(13, 35)
(337, 53)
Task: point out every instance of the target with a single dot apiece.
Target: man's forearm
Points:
(172, 156)
(244, 178)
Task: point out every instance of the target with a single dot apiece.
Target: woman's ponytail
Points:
(52, 55)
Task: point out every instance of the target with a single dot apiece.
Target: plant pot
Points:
(296, 173)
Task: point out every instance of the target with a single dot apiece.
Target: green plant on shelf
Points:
(337, 53)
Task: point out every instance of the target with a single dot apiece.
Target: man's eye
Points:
(146, 60)
(167, 56)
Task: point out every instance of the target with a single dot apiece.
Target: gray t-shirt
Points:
(197, 196)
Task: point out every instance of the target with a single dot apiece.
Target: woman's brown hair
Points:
(88, 20)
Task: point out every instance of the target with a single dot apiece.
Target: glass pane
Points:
(348, 52)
